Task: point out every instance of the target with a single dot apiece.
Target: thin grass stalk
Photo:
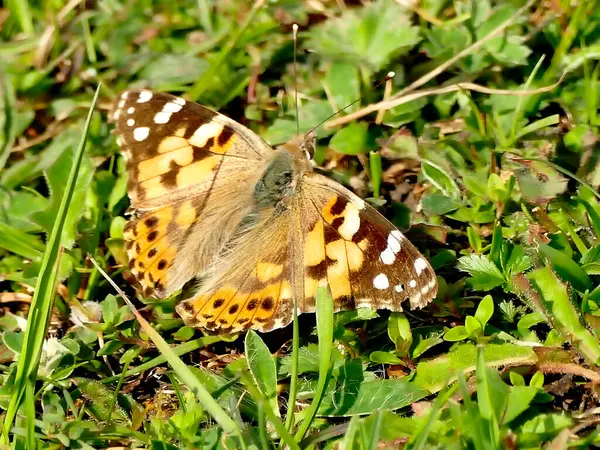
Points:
(293, 392)
(325, 333)
(205, 81)
(20, 10)
(185, 374)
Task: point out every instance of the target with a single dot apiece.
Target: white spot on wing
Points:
(397, 234)
(144, 96)
(162, 117)
(393, 242)
(179, 101)
(172, 107)
(205, 132)
(412, 283)
(399, 288)
(381, 281)
(130, 122)
(359, 202)
(130, 110)
(141, 133)
(420, 265)
(387, 256)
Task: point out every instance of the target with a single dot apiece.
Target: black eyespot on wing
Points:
(218, 303)
(267, 304)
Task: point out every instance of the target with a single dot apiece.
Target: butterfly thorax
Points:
(280, 179)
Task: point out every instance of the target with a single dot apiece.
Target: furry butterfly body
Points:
(254, 227)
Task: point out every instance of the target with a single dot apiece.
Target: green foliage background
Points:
(485, 141)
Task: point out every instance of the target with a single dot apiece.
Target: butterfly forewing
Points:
(189, 168)
(365, 260)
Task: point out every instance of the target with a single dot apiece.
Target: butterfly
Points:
(255, 228)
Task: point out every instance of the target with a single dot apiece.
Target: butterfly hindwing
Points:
(251, 284)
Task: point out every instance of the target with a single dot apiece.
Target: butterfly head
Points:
(305, 144)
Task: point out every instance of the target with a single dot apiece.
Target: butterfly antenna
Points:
(389, 76)
(295, 39)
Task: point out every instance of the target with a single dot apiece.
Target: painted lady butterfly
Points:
(254, 226)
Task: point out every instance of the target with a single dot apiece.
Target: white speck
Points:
(144, 96)
(130, 122)
(179, 101)
(130, 110)
(116, 114)
(172, 107)
(399, 287)
(387, 256)
(141, 133)
(381, 281)
(124, 95)
(162, 117)
(420, 265)
(393, 242)
(121, 103)
(119, 141)
(412, 283)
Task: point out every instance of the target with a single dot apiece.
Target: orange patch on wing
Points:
(355, 256)
(161, 164)
(159, 264)
(364, 244)
(206, 307)
(326, 211)
(266, 271)
(314, 245)
(186, 214)
(197, 172)
(172, 143)
(153, 188)
(269, 299)
(337, 272)
(137, 229)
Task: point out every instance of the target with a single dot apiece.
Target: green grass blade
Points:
(262, 367)
(205, 80)
(7, 118)
(421, 435)
(285, 436)
(325, 333)
(22, 14)
(179, 350)
(289, 419)
(41, 304)
(20, 243)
